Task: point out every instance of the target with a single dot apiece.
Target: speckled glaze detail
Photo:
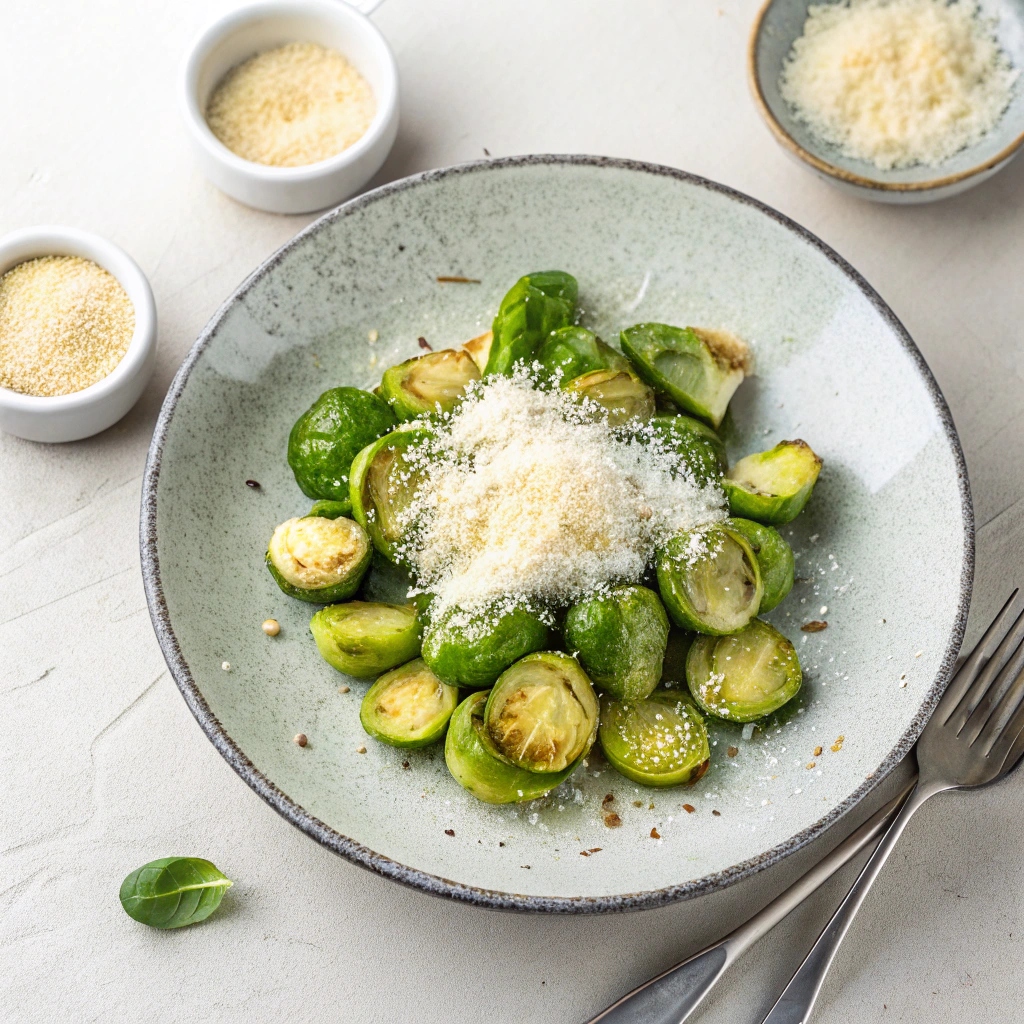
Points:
(214, 386)
(780, 22)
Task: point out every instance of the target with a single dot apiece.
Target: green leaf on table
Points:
(173, 892)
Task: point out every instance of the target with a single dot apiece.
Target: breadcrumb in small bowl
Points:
(291, 105)
(67, 381)
(898, 101)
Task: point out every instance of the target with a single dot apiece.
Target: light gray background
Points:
(103, 768)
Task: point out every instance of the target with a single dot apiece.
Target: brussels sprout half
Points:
(383, 485)
(535, 306)
(699, 370)
(479, 349)
(364, 639)
(472, 760)
(773, 486)
(431, 383)
(774, 560)
(625, 396)
(709, 580)
(473, 651)
(744, 676)
(620, 638)
(542, 713)
(658, 741)
(573, 351)
(328, 436)
(699, 448)
(317, 559)
(329, 509)
(408, 707)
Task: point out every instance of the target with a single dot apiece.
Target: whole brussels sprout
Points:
(408, 707)
(744, 676)
(383, 486)
(535, 306)
(698, 370)
(709, 579)
(472, 651)
(774, 559)
(621, 392)
(620, 638)
(658, 741)
(318, 559)
(697, 445)
(542, 713)
(573, 351)
(365, 639)
(476, 766)
(773, 486)
(329, 435)
(431, 383)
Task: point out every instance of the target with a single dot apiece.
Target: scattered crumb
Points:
(919, 653)
(487, 152)
(717, 814)
(343, 689)
(373, 336)
(254, 484)
(527, 866)
(226, 665)
(814, 626)
(584, 853)
(360, 750)
(608, 798)
(300, 739)
(612, 820)
(838, 745)
(405, 764)
(424, 343)
(501, 844)
(595, 849)
(449, 831)
(811, 764)
(650, 807)
(271, 627)
(824, 609)
(732, 751)
(817, 751)
(448, 279)
(655, 834)
(689, 808)
(638, 803)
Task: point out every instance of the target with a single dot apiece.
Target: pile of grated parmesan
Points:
(532, 499)
(898, 82)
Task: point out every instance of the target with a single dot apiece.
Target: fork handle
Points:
(796, 1002)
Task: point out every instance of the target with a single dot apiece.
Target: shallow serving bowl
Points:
(781, 22)
(886, 544)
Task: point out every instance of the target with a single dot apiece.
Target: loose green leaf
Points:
(173, 892)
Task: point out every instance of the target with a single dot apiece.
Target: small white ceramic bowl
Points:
(86, 412)
(263, 26)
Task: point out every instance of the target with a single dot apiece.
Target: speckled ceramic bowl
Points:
(780, 22)
(884, 552)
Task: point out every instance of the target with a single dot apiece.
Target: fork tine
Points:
(997, 706)
(1010, 740)
(981, 685)
(967, 670)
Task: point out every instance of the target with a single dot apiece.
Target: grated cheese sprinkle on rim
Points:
(898, 82)
(533, 500)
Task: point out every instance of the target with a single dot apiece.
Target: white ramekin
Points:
(263, 26)
(87, 412)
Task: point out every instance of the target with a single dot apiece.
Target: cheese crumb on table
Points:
(898, 82)
(291, 106)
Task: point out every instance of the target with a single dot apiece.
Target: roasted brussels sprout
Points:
(319, 560)
(536, 305)
(472, 651)
(408, 706)
(697, 445)
(434, 382)
(542, 713)
(383, 485)
(365, 639)
(573, 351)
(330, 509)
(626, 397)
(329, 435)
(744, 676)
(774, 560)
(658, 741)
(476, 766)
(699, 370)
(709, 579)
(773, 486)
(620, 639)
(479, 349)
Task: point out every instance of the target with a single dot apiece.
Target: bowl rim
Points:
(52, 240)
(227, 24)
(426, 881)
(832, 170)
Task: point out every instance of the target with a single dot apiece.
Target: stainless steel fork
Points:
(975, 736)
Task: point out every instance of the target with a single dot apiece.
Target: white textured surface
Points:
(104, 768)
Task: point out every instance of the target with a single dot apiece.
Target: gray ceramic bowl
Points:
(781, 22)
(886, 543)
